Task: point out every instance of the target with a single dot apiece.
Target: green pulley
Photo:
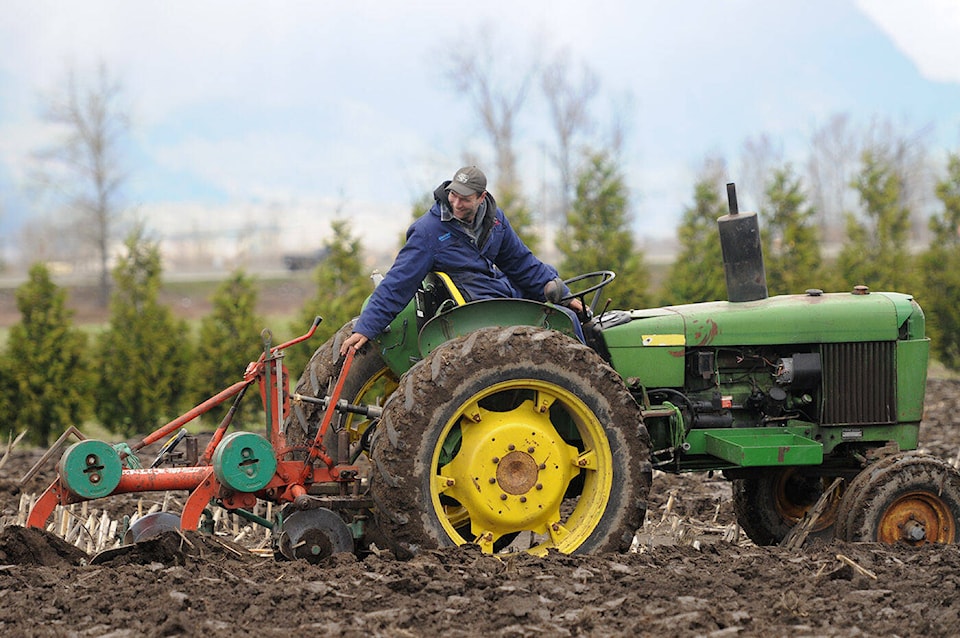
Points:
(90, 469)
(244, 462)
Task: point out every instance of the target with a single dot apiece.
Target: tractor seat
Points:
(437, 293)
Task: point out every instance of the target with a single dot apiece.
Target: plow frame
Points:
(289, 483)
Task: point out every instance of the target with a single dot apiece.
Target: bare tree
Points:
(474, 67)
(81, 169)
(760, 157)
(834, 157)
(568, 99)
(907, 155)
(837, 149)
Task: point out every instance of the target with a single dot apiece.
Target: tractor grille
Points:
(859, 385)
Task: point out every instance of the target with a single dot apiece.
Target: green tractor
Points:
(510, 424)
(505, 423)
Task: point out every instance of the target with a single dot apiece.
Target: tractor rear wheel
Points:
(370, 382)
(506, 431)
(910, 498)
(769, 505)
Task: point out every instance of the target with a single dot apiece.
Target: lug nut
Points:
(492, 480)
(523, 499)
(531, 449)
(539, 486)
(496, 459)
(511, 447)
(503, 497)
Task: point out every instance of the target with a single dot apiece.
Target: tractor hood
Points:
(651, 344)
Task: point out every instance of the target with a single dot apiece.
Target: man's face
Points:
(464, 207)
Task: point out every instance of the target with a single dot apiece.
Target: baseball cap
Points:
(467, 181)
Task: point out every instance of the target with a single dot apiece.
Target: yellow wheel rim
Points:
(373, 392)
(512, 469)
(917, 518)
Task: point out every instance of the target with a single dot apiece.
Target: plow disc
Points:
(314, 535)
(151, 526)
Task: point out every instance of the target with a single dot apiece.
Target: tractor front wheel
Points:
(508, 431)
(910, 498)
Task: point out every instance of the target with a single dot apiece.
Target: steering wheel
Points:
(605, 276)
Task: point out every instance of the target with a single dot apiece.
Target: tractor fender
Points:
(462, 320)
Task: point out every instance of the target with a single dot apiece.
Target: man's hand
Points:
(576, 305)
(355, 341)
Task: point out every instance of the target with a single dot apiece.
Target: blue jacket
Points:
(496, 264)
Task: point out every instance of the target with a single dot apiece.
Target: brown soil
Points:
(707, 580)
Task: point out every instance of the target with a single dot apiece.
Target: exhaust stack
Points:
(742, 252)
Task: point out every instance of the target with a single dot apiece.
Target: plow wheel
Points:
(769, 505)
(370, 382)
(511, 432)
(314, 535)
(907, 498)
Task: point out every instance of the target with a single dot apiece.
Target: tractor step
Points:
(759, 447)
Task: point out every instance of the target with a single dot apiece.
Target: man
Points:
(465, 235)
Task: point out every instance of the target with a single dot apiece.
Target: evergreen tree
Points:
(697, 274)
(876, 253)
(342, 286)
(229, 340)
(46, 370)
(941, 272)
(791, 251)
(420, 207)
(144, 358)
(597, 235)
(518, 213)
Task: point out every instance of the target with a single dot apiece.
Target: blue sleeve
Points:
(399, 285)
(517, 262)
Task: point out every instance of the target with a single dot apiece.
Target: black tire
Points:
(439, 468)
(369, 381)
(769, 505)
(910, 498)
(854, 487)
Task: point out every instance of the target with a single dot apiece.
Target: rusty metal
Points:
(290, 482)
(917, 518)
(317, 449)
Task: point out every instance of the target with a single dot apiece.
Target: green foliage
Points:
(45, 374)
(791, 251)
(229, 340)
(520, 217)
(876, 253)
(941, 272)
(697, 274)
(597, 234)
(342, 287)
(144, 354)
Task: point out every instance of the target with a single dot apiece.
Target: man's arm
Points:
(413, 262)
(522, 267)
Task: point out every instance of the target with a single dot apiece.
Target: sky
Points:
(254, 117)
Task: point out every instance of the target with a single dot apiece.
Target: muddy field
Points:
(700, 577)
